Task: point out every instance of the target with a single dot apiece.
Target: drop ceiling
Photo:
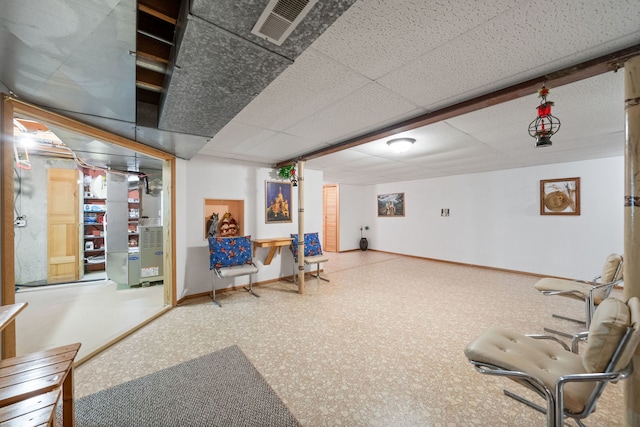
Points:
(352, 69)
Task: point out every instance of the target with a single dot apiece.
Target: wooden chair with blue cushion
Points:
(231, 257)
(312, 253)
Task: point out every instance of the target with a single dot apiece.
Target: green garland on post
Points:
(286, 171)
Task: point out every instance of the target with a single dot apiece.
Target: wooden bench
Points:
(26, 383)
(36, 411)
(31, 385)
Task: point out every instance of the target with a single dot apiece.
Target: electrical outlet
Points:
(20, 222)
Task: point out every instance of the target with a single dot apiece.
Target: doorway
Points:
(109, 146)
(63, 252)
(330, 218)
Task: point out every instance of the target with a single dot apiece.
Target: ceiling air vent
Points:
(280, 18)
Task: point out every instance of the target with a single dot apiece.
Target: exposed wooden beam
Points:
(7, 253)
(584, 70)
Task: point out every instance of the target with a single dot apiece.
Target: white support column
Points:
(632, 221)
(301, 227)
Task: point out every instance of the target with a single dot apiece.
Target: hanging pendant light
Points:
(545, 124)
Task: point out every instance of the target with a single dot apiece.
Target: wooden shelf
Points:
(273, 244)
(93, 267)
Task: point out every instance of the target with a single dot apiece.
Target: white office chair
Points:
(591, 293)
(569, 383)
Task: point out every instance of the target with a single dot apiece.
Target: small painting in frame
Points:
(277, 198)
(560, 196)
(391, 204)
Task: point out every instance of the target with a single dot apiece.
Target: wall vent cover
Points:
(280, 18)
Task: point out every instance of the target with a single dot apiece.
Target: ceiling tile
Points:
(508, 49)
(370, 107)
(314, 82)
(402, 30)
(334, 160)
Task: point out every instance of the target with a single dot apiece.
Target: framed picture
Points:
(560, 196)
(391, 204)
(277, 198)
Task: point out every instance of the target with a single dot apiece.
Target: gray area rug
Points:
(219, 389)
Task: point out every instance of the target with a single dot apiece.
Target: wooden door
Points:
(330, 225)
(63, 225)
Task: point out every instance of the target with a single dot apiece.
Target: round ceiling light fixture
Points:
(400, 145)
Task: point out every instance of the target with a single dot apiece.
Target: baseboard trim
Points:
(241, 287)
(503, 270)
(124, 335)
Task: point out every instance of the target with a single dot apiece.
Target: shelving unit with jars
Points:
(94, 212)
(133, 203)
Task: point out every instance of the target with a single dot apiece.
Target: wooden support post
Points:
(632, 220)
(7, 271)
(301, 227)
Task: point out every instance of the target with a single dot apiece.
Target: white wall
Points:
(354, 201)
(495, 221)
(206, 177)
(181, 215)
(494, 218)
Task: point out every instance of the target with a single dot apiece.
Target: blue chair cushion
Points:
(229, 251)
(311, 244)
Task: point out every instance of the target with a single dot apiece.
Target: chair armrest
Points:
(574, 293)
(549, 337)
(604, 285)
(597, 376)
(581, 336)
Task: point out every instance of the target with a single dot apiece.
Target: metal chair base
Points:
(213, 287)
(557, 316)
(555, 332)
(250, 290)
(213, 297)
(294, 279)
(318, 276)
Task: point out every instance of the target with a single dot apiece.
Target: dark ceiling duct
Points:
(219, 66)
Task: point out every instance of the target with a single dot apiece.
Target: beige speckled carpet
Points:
(380, 345)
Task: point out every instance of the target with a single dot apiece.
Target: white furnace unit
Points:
(151, 253)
